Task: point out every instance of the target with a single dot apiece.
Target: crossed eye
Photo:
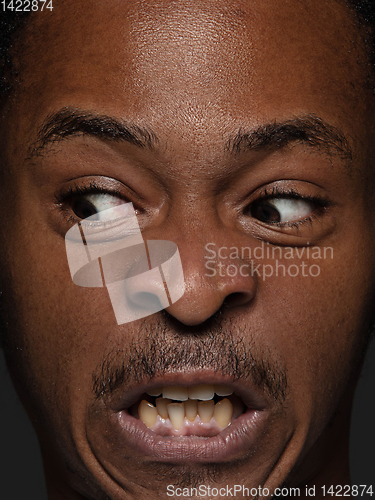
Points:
(268, 210)
(92, 205)
(272, 210)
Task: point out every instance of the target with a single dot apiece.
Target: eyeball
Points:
(96, 206)
(281, 210)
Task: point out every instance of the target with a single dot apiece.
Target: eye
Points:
(91, 205)
(281, 210)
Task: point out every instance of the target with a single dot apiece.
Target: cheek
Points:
(318, 325)
(56, 331)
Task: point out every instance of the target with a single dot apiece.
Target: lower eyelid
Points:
(313, 226)
(299, 222)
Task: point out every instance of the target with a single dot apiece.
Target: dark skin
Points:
(195, 73)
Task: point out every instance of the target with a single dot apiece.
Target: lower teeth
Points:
(189, 412)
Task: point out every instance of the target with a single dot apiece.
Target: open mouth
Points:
(186, 417)
(201, 410)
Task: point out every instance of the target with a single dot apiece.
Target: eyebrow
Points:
(70, 122)
(309, 130)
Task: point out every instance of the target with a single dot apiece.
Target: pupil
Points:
(84, 209)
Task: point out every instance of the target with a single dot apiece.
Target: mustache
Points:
(166, 346)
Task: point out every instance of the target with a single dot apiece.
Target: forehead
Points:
(195, 64)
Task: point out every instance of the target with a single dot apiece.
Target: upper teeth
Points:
(180, 414)
(202, 392)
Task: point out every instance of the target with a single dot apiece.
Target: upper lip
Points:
(125, 396)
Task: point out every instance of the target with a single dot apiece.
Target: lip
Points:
(235, 441)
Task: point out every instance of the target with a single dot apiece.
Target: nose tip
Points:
(203, 298)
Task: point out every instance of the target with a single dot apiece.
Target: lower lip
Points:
(235, 441)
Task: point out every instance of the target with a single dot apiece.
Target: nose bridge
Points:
(206, 242)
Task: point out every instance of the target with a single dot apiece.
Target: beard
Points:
(167, 346)
(163, 346)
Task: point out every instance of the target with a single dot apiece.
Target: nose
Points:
(206, 291)
(213, 276)
(190, 281)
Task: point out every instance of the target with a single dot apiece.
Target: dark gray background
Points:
(20, 463)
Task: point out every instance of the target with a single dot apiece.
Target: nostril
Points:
(147, 300)
(237, 299)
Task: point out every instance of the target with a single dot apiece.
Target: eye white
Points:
(104, 205)
(290, 209)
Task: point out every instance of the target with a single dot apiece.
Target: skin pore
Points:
(197, 113)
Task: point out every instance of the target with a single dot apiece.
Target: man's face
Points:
(260, 139)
